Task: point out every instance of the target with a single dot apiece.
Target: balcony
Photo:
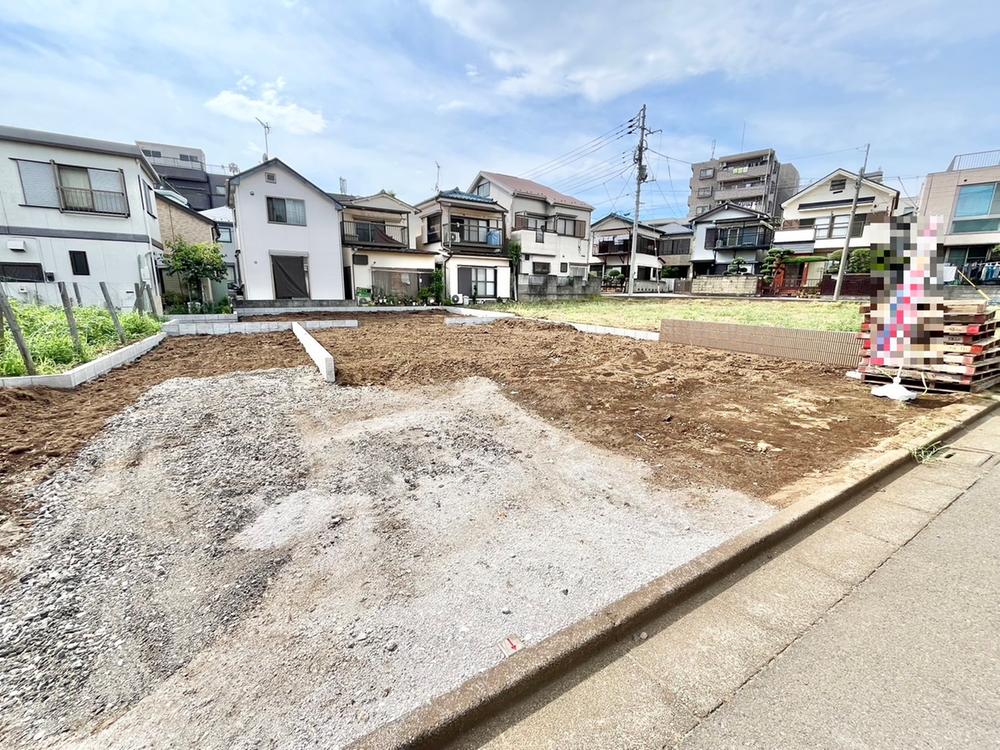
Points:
(374, 234)
(85, 200)
(675, 259)
(741, 193)
(462, 233)
(731, 174)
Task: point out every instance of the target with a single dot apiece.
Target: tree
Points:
(859, 261)
(737, 267)
(192, 262)
(773, 261)
(513, 250)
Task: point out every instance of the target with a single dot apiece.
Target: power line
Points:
(616, 132)
(590, 170)
(594, 179)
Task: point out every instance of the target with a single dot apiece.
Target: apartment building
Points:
(288, 232)
(753, 179)
(967, 197)
(551, 227)
(185, 170)
(77, 210)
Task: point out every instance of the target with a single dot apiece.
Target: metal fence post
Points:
(113, 312)
(7, 311)
(70, 319)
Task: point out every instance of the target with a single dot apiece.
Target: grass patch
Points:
(646, 314)
(47, 334)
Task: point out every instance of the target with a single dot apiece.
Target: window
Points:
(220, 189)
(38, 183)
(740, 170)
(484, 282)
(230, 273)
(434, 228)
(835, 227)
(270, 177)
(977, 209)
(541, 269)
(225, 234)
(569, 227)
(707, 173)
(563, 267)
(483, 189)
(73, 188)
(21, 272)
(150, 152)
(191, 157)
(705, 192)
(148, 198)
(838, 185)
(286, 211)
(78, 262)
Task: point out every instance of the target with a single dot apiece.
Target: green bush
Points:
(47, 334)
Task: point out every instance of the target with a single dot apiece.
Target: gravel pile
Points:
(262, 558)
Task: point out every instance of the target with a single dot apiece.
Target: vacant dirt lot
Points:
(262, 560)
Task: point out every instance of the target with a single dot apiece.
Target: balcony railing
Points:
(93, 201)
(374, 233)
(475, 234)
(729, 174)
(738, 193)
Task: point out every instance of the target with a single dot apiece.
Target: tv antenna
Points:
(267, 129)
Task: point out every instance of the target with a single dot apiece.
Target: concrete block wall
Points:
(89, 371)
(837, 348)
(737, 286)
(174, 328)
(319, 355)
(533, 288)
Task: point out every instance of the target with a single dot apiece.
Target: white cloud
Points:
(270, 106)
(471, 71)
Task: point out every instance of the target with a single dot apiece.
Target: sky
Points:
(380, 92)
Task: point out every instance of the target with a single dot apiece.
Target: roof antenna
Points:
(267, 129)
(437, 179)
(713, 150)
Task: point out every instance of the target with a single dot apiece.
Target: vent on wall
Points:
(270, 177)
(16, 246)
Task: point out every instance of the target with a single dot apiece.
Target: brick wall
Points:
(838, 348)
(176, 223)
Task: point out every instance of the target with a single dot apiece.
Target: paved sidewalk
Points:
(879, 628)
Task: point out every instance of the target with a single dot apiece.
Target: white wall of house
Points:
(502, 273)
(873, 198)
(119, 248)
(387, 261)
(318, 241)
(939, 197)
(698, 250)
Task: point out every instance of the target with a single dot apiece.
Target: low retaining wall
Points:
(550, 287)
(89, 371)
(320, 356)
(175, 328)
(838, 348)
(736, 286)
(205, 318)
(469, 321)
(473, 312)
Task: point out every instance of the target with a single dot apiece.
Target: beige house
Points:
(551, 227)
(967, 197)
(381, 258)
(612, 237)
(180, 222)
(466, 232)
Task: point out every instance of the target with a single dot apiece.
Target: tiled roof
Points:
(524, 186)
(461, 195)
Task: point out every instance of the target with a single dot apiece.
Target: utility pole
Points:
(640, 177)
(842, 269)
(267, 129)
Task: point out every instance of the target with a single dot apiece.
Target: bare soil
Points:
(722, 419)
(43, 426)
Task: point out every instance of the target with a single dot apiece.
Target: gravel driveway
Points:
(262, 558)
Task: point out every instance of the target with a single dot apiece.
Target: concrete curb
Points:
(87, 371)
(173, 328)
(317, 353)
(481, 697)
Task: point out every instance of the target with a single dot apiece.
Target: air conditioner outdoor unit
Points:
(459, 299)
(454, 237)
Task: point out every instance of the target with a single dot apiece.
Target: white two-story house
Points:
(551, 227)
(817, 219)
(76, 210)
(288, 232)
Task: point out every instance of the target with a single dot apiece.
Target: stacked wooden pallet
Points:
(963, 356)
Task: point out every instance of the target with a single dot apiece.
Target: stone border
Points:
(483, 696)
(247, 312)
(837, 348)
(319, 355)
(87, 371)
(175, 328)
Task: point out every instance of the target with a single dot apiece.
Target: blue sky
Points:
(378, 92)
